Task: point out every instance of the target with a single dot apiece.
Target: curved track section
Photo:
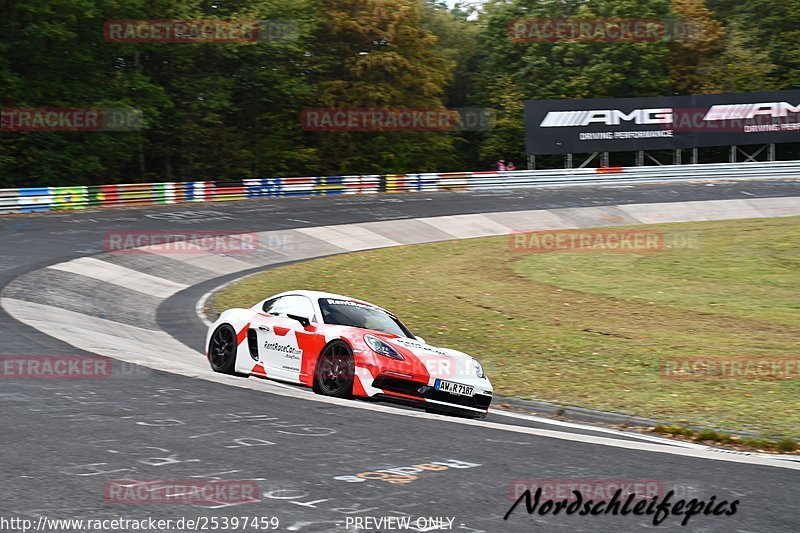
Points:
(320, 460)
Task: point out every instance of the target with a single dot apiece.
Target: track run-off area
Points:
(162, 414)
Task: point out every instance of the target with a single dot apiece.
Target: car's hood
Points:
(426, 351)
(440, 362)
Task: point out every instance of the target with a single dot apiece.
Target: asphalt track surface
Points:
(62, 440)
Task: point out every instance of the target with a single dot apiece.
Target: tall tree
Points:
(739, 67)
(695, 42)
(375, 54)
(54, 56)
(520, 64)
(774, 26)
(230, 103)
(457, 33)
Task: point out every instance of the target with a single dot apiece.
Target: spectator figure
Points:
(501, 165)
(511, 166)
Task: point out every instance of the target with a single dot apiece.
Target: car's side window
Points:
(291, 305)
(300, 306)
(270, 305)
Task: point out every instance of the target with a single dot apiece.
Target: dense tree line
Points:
(232, 110)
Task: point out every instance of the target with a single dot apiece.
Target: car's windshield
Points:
(360, 315)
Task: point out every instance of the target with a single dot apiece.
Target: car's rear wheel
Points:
(222, 349)
(335, 372)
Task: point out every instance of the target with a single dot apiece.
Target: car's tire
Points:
(222, 349)
(334, 374)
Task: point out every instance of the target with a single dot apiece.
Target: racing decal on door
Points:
(242, 335)
(287, 351)
(280, 331)
(258, 370)
(280, 350)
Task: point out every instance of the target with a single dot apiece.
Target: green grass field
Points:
(592, 329)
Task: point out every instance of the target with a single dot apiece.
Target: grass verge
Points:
(593, 329)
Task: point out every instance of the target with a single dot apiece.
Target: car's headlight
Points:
(380, 347)
(478, 369)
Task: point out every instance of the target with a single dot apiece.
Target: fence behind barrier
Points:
(36, 199)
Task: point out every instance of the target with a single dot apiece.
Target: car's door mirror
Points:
(420, 339)
(303, 320)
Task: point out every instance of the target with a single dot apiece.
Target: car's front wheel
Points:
(222, 349)
(335, 372)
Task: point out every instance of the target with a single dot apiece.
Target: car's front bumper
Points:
(397, 387)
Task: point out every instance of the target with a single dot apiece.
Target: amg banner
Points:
(628, 124)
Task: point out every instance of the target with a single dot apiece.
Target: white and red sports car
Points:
(344, 347)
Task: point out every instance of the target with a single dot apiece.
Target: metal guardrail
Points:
(578, 176)
(80, 197)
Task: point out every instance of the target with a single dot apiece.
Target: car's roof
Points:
(315, 295)
(319, 294)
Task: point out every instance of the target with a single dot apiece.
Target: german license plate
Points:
(454, 388)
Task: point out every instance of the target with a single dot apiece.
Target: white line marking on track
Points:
(651, 438)
(596, 429)
(200, 306)
(670, 449)
(121, 276)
